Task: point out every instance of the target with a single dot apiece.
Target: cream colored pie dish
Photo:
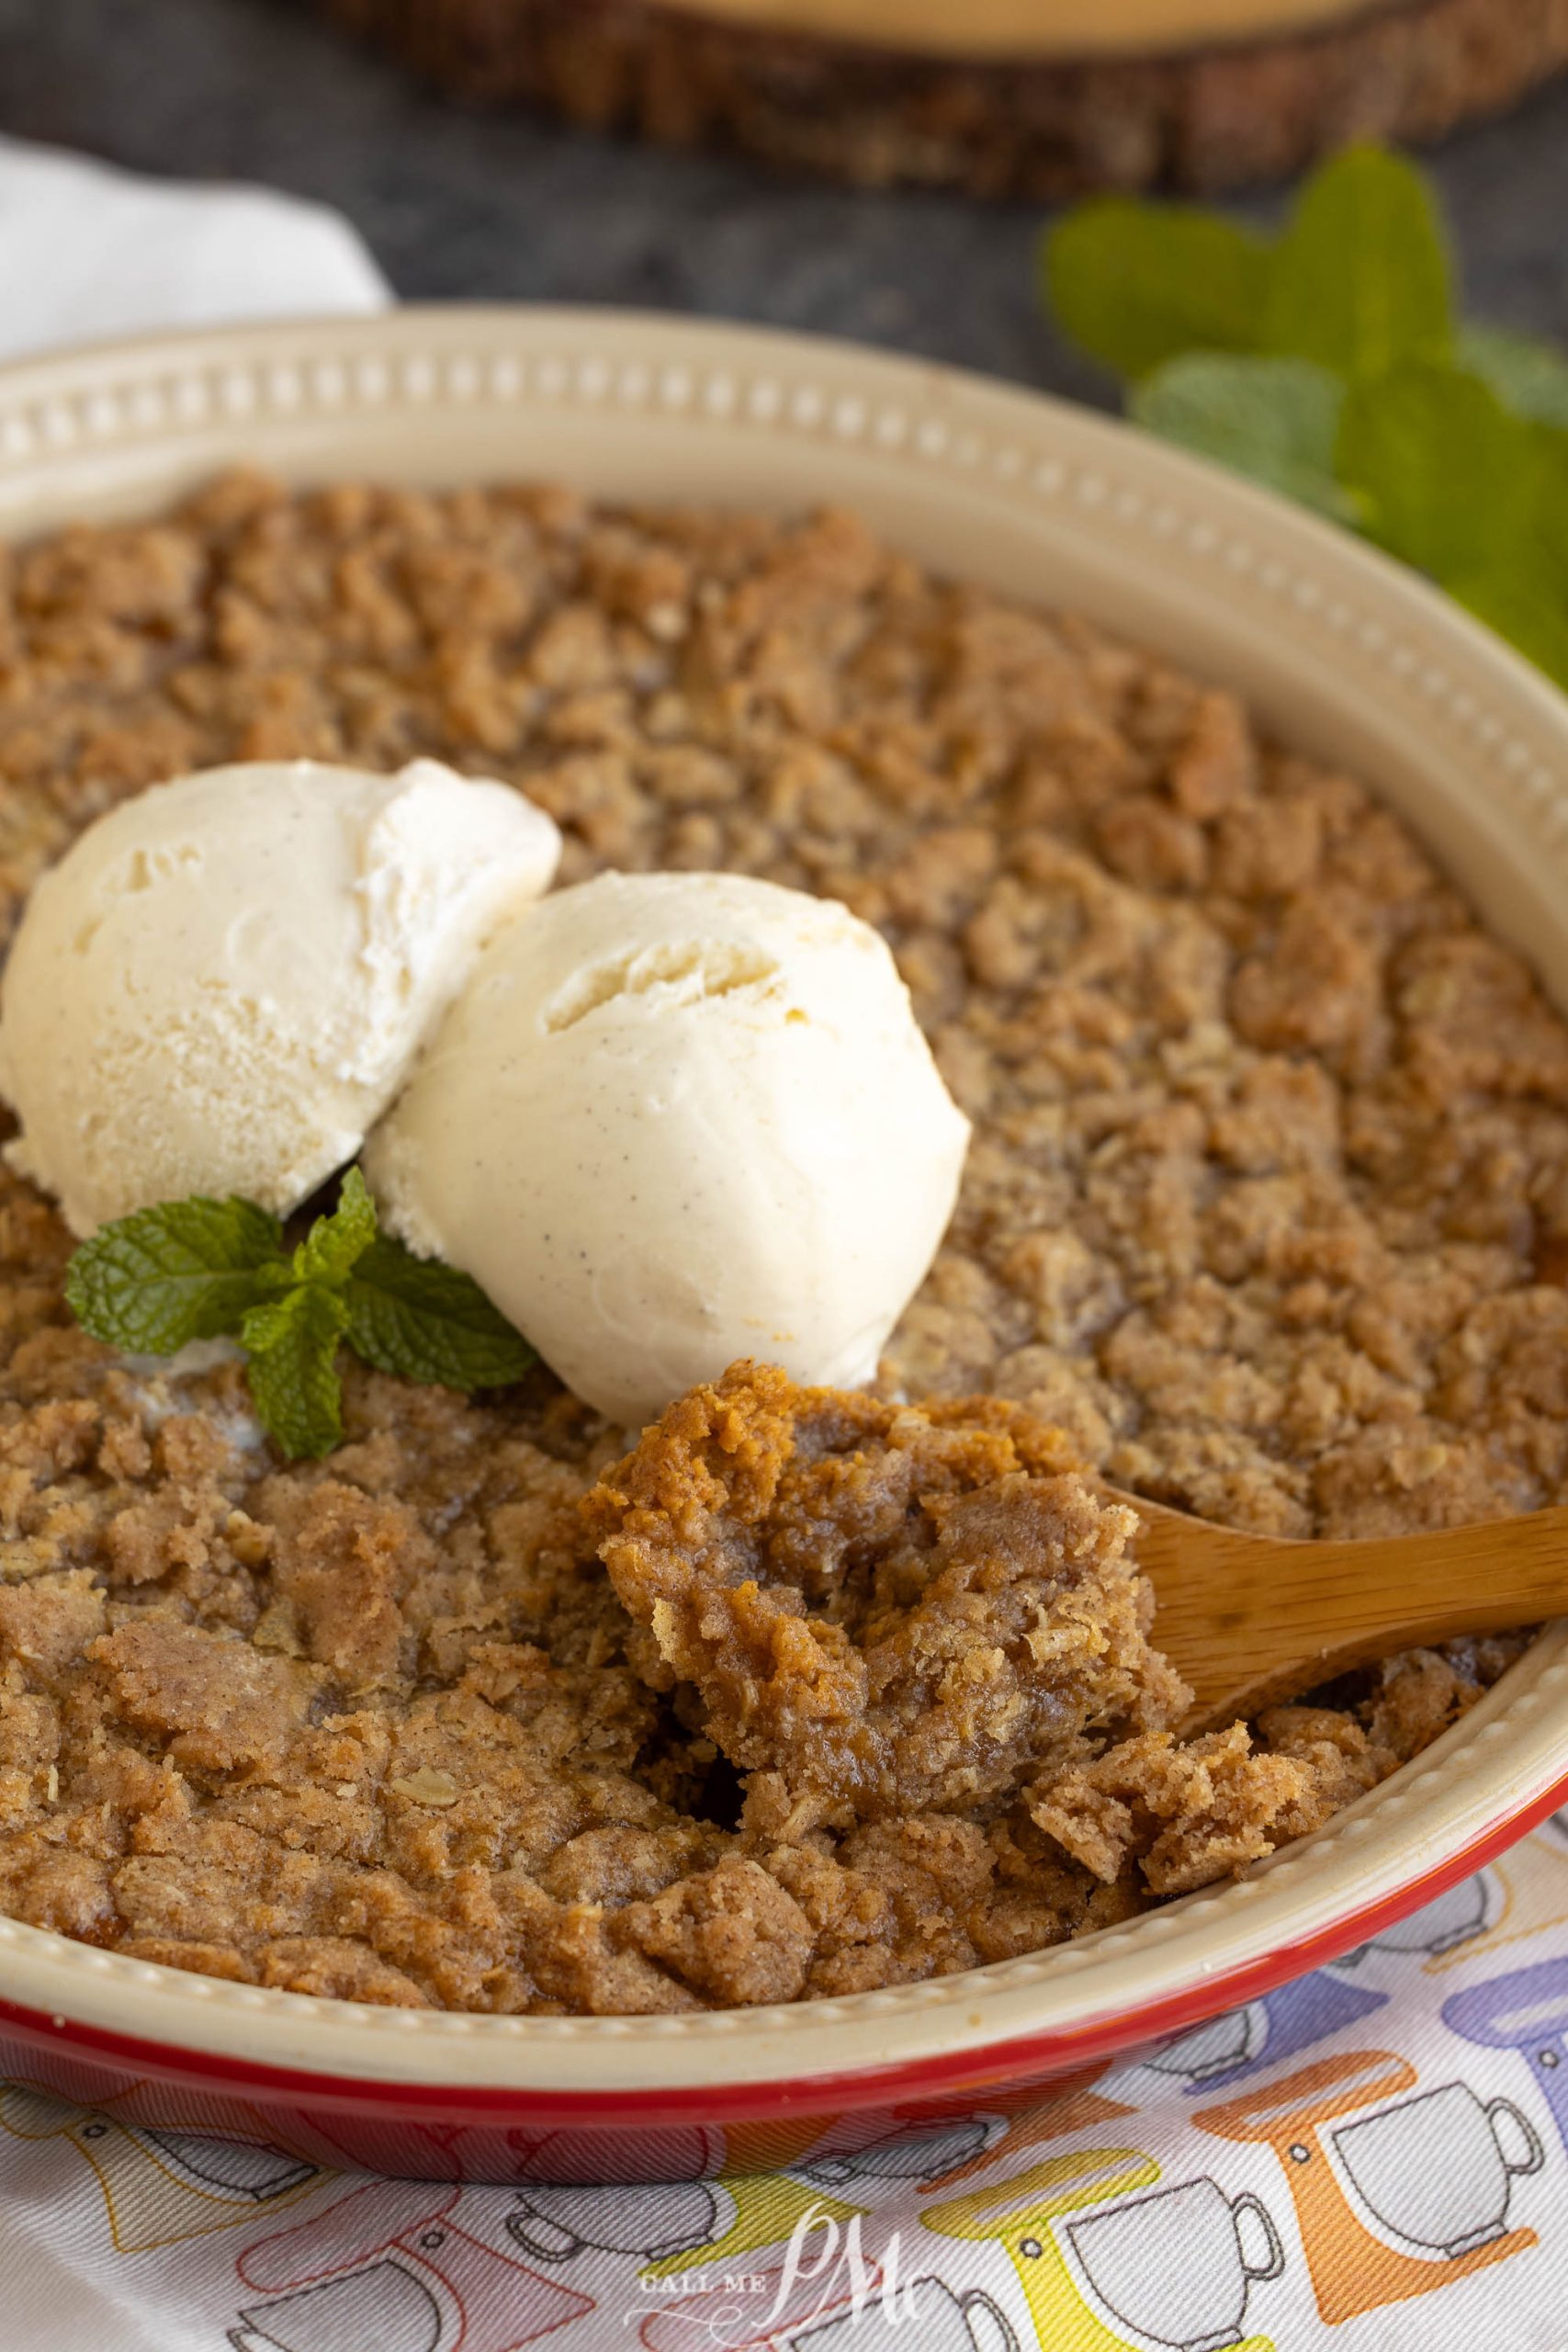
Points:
(481, 1737)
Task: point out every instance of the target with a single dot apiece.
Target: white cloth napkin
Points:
(88, 252)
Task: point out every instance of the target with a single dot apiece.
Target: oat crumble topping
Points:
(1266, 1215)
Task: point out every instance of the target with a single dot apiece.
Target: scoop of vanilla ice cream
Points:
(675, 1119)
(225, 980)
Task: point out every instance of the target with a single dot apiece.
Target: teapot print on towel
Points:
(1396, 2204)
(1526, 2011)
(1184, 2258)
(391, 2267)
(161, 2188)
(1440, 1930)
(927, 2152)
(1292, 2019)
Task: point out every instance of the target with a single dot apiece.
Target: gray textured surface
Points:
(463, 205)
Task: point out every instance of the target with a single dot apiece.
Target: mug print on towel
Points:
(1375, 2156)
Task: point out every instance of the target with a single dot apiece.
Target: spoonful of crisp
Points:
(1250, 1619)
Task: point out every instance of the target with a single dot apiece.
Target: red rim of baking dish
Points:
(950, 2075)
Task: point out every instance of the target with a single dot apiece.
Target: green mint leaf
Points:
(1277, 420)
(426, 1321)
(1445, 473)
(293, 1343)
(335, 1241)
(193, 1270)
(1547, 495)
(1527, 608)
(1361, 281)
(185, 1270)
(1138, 284)
(1529, 377)
(1328, 365)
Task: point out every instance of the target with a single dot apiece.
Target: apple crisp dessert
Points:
(1266, 1215)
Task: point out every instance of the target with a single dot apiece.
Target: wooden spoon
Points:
(1250, 1619)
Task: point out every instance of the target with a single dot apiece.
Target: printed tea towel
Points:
(1375, 2157)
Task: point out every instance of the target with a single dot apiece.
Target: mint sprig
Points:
(334, 1244)
(415, 1316)
(292, 1344)
(1328, 363)
(202, 1269)
(186, 1270)
(1361, 281)
(1529, 377)
(1138, 284)
(1278, 420)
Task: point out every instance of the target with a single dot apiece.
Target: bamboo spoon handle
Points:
(1249, 1619)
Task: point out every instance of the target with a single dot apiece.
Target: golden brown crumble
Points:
(1266, 1215)
(885, 1610)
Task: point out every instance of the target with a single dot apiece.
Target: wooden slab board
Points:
(1033, 98)
(1024, 29)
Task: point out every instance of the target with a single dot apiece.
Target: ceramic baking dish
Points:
(1339, 650)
